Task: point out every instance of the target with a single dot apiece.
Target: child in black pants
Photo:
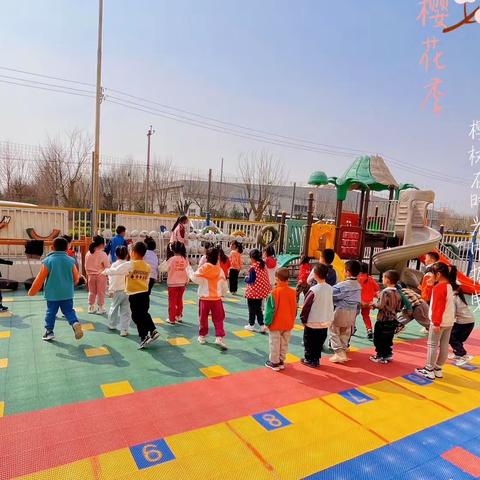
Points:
(137, 273)
(462, 328)
(317, 316)
(389, 305)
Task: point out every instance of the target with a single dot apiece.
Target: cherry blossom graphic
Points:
(468, 17)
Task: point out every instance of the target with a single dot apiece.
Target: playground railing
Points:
(381, 216)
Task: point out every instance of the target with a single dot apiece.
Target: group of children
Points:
(329, 308)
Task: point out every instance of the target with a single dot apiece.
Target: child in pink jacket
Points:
(177, 278)
(96, 261)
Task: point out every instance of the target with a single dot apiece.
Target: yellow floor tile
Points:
(2, 408)
(88, 326)
(189, 302)
(243, 333)
(398, 340)
(7, 299)
(157, 320)
(79, 309)
(179, 341)
(6, 314)
(231, 300)
(214, 371)
(353, 349)
(96, 352)
(290, 358)
(298, 327)
(3, 362)
(116, 389)
(5, 334)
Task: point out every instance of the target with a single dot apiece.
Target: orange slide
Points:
(468, 285)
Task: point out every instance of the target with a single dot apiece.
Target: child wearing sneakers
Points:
(177, 278)
(258, 289)
(442, 318)
(96, 261)
(280, 314)
(212, 286)
(119, 313)
(347, 299)
(389, 305)
(317, 316)
(137, 275)
(370, 289)
(462, 328)
(58, 276)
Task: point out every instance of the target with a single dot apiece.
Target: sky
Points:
(339, 73)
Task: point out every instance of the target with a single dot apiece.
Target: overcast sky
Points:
(342, 73)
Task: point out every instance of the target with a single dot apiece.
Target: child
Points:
(117, 241)
(223, 260)
(119, 313)
(280, 314)
(177, 278)
(418, 309)
(258, 288)
(58, 276)
(212, 286)
(203, 259)
(137, 273)
(462, 328)
(271, 264)
(317, 316)
(179, 234)
(304, 271)
(236, 264)
(96, 261)
(326, 258)
(442, 318)
(389, 304)
(369, 290)
(152, 259)
(347, 299)
(426, 286)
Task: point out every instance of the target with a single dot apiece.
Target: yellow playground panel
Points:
(322, 236)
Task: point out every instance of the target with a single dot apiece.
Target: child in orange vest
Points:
(280, 314)
(236, 265)
(370, 289)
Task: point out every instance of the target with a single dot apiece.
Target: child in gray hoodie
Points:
(347, 300)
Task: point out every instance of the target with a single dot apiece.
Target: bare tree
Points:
(164, 183)
(261, 174)
(62, 169)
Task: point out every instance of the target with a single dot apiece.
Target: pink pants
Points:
(97, 285)
(175, 302)
(214, 307)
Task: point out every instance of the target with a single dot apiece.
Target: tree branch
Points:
(466, 19)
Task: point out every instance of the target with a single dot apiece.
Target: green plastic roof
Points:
(369, 172)
(318, 178)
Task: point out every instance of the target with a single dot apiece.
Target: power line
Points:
(47, 89)
(257, 135)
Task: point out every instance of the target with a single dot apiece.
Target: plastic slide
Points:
(423, 240)
(286, 259)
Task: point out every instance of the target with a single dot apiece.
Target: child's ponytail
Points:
(238, 246)
(452, 278)
(256, 255)
(97, 240)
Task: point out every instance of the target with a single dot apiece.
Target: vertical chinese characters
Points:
(474, 158)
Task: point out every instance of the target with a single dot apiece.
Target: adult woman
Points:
(179, 233)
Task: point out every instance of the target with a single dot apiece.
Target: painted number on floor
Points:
(417, 379)
(356, 396)
(151, 453)
(271, 420)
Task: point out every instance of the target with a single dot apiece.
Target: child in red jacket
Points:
(370, 289)
(280, 316)
(302, 280)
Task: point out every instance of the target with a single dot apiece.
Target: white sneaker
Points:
(438, 372)
(219, 341)
(336, 358)
(424, 372)
(263, 329)
(101, 311)
(452, 356)
(124, 333)
(343, 356)
(92, 309)
(202, 340)
(250, 328)
(459, 361)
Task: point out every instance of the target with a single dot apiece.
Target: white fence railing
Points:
(381, 215)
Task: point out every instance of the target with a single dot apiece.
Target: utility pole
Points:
(147, 179)
(209, 196)
(96, 153)
(293, 199)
